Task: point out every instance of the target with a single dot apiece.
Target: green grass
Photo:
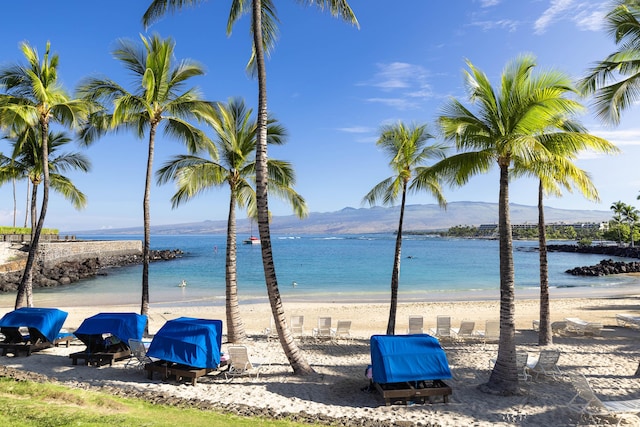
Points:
(23, 230)
(26, 403)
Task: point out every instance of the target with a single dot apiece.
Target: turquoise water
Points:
(325, 268)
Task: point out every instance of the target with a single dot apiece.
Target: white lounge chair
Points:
(416, 324)
(521, 365)
(465, 331)
(270, 332)
(491, 331)
(585, 402)
(139, 356)
(443, 328)
(343, 330)
(582, 327)
(323, 331)
(546, 363)
(297, 326)
(628, 320)
(240, 364)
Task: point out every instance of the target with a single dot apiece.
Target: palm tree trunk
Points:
(25, 288)
(15, 205)
(235, 327)
(545, 335)
(296, 358)
(146, 248)
(26, 211)
(504, 376)
(34, 209)
(395, 274)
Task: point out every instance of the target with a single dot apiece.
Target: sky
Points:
(332, 85)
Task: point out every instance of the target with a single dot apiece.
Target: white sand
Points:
(608, 361)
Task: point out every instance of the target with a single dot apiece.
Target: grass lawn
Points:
(26, 403)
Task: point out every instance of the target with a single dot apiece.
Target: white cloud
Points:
(408, 83)
(357, 129)
(586, 16)
(553, 13)
(591, 20)
(508, 24)
(620, 137)
(489, 3)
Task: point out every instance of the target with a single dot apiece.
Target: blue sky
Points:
(332, 85)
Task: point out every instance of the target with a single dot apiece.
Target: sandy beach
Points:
(335, 389)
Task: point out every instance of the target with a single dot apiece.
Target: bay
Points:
(328, 268)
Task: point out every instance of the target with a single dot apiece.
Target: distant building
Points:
(492, 229)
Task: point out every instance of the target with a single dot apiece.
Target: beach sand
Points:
(335, 389)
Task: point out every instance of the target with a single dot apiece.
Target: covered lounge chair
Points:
(43, 325)
(106, 336)
(409, 367)
(186, 347)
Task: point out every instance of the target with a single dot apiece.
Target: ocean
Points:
(328, 268)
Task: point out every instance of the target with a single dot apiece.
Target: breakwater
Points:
(606, 266)
(64, 262)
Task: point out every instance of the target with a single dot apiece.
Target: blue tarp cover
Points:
(48, 321)
(189, 341)
(399, 358)
(122, 325)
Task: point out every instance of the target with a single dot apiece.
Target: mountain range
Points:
(349, 220)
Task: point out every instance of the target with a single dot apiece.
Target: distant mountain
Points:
(379, 220)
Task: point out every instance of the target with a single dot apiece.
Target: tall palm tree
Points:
(563, 143)
(27, 163)
(630, 215)
(264, 32)
(236, 141)
(158, 101)
(34, 98)
(505, 128)
(617, 208)
(408, 150)
(615, 81)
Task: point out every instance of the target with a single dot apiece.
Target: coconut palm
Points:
(27, 163)
(264, 32)
(505, 127)
(630, 215)
(34, 98)
(563, 143)
(617, 208)
(615, 81)
(158, 101)
(408, 150)
(236, 141)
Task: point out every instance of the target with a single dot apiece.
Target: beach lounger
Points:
(522, 357)
(582, 327)
(343, 330)
(323, 331)
(30, 329)
(585, 402)
(139, 353)
(465, 331)
(443, 328)
(240, 363)
(297, 326)
(491, 332)
(546, 363)
(270, 332)
(628, 320)
(416, 324)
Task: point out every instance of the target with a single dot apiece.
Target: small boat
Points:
(183, 283)
(253, 240)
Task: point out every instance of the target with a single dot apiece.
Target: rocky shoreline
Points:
(606, 266)
(68, 272)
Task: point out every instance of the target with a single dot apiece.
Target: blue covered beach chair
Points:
(107, 335)
(43, 324)
(186, 347)
(409, 367)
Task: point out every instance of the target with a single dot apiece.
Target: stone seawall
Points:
(52, 253)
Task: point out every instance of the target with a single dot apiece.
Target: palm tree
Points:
(27, 163)
(35, 98)
(630, 215)
(505, 128)
(236, 142)
(264, 31)
(407, 149)
(158, 100)
(563, 144)
(617, 208)
(615, 81)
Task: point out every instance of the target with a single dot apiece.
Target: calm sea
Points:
(327, 268)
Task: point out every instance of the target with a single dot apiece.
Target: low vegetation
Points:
(26, 403)
(25, 230)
